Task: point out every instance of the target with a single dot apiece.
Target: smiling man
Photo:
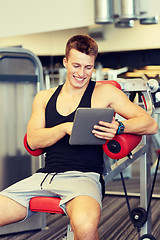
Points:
(73, 173)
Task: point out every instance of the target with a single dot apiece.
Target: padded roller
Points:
(45, 204)
(121, 145)
(112, 82)
(36, 152)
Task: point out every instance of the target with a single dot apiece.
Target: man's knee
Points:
(85, 226)
(84, 213)
(85, 221)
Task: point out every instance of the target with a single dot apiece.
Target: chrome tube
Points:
(128, 9)
(103, 11)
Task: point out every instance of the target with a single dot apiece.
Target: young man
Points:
(72, 172)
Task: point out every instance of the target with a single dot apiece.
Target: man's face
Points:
(79, 68)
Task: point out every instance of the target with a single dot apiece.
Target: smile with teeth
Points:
(79, 78)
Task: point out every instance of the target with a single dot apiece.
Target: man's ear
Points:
(64, 62)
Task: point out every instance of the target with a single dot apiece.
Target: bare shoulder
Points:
(43, 96)
(106, 89)
(106, 95)
(105, 86)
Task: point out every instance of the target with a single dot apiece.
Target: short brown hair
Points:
(83, 44)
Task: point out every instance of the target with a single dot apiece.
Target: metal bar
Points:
(122, 164)
(130, 194)
(145, 188)
(37, 221)
(25, 53)
(18, 78)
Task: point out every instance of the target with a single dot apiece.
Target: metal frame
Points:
(25, 53)
(145, 177)
(38, 221)
(111, 171)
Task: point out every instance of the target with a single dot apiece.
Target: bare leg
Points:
(11, 211)
(84, 213)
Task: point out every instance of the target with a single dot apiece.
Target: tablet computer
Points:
(84, 120)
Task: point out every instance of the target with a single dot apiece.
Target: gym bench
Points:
(119, 148)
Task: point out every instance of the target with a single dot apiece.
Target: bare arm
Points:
(138, 121)
(38, 136)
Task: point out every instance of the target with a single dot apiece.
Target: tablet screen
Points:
(84, 120)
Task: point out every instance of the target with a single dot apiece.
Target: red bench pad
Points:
(45, 204)
(114, 83)
(121, 145)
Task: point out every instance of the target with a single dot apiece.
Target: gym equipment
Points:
(142, 88)
(36, 152)
(118, 147)
(147, 237)
(51, 204)
(112, 171)
(21, 76)
(138, 216)
(46, 204)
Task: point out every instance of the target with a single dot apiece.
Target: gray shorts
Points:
(67, 186)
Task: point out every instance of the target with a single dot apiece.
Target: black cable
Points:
(125, 191)
(153, 184)
(127, 200)
(150, 198)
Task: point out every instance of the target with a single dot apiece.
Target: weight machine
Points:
(21, 77)
(141, 216)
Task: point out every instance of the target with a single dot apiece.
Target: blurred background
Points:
(128, 36)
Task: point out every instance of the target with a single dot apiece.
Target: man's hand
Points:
(105, 130)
